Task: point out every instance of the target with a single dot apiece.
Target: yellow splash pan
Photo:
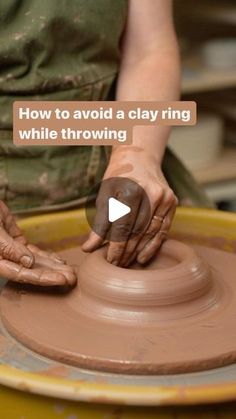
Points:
(23, 370)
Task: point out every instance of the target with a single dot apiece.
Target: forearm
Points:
(154, 77)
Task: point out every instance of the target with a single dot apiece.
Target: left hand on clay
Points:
(26, 263)
(136, 164)
(47, 270)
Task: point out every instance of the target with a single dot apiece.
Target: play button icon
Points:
(116, 209)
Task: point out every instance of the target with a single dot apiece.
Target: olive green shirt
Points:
(54, 50)
(62, 50)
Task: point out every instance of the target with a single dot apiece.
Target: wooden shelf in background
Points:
(222, 170)
(206, 79)
(199, 78)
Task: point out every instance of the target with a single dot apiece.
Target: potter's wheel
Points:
(210, 298)
(25, 370)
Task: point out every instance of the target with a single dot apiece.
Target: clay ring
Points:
(110, 292)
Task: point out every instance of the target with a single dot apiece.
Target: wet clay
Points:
(176, 315)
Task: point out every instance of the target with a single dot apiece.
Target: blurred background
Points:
(207, 37)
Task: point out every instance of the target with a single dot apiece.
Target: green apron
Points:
(58, 50)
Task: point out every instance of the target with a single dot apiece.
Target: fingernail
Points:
(73, 281)
(141, 260)
(86, 247)
(26, 261)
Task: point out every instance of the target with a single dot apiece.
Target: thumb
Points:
(92, 243)
(15, 251)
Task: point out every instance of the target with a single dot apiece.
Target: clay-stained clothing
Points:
(55, 50)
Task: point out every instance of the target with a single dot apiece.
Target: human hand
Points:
(136, 164)
(22, 262)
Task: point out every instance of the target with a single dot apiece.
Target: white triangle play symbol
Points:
(117, 209)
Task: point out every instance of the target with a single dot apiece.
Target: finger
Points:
(101, 224)
(168, 201)
(128, 255)
(10, 225)
(15, 251)
(132, 243)
(37, 276)
(46, 254)
(92, 243)
(153, 245)
(128, 262)
(115, 252)
(54, 266)
(150, 230)
(154, 227)
(120, 233)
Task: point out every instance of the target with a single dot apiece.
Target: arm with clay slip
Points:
(149, 70)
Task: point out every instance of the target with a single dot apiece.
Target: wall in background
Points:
(207, 37)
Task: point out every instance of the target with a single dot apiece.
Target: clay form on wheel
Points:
(175, 315)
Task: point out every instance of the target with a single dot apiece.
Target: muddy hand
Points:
(136, 164)
(21, 262)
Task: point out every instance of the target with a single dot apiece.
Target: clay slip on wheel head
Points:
(176, 315)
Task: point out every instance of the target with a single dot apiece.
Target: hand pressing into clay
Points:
(22, 262)
(136, 164)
